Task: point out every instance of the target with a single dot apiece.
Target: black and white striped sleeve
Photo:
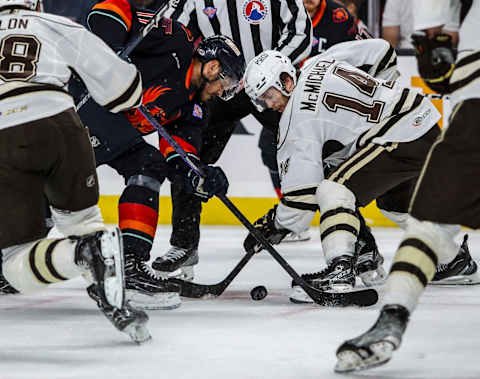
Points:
(184, 11)
(296, 39)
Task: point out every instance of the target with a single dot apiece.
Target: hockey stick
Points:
(195, 290)
(131, 44)
(364, 297)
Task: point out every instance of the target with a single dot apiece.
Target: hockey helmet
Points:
(230, 57)
(28, 4)
(265, 71)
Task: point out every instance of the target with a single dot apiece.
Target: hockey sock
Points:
(32, 266)
(138, 219)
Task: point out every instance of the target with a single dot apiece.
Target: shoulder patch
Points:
(197, 111)
(339, 15)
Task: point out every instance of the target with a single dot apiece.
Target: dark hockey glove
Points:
(266, 226)
(435, 59)
(214, 183)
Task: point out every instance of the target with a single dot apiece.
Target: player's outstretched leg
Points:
(145, 289)
(462, 270)
(177, 262)
(374, 347)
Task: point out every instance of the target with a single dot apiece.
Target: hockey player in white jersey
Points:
(447, 191)
(45, 150)
(386, 131)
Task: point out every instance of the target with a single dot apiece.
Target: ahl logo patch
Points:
(210, 12)
(197, 111)
(339, 15)
(255, 11)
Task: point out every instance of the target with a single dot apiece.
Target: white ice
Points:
(60, 334)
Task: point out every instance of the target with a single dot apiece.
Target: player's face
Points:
(212, 89)
(311, 5)
(274, 99)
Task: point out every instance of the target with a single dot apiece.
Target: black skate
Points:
(461, 271)
(338, 276)
(375, 347)
(146, 290)
(101, 255)
(5, 287)
(369, 261)
(127, 319)
(177, 263)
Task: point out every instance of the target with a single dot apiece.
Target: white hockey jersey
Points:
(465, 80)
(38, 54)
(336, 101)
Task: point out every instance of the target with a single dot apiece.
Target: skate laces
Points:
(175, 253)
(149, 272)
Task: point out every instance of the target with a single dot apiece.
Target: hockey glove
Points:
(435, 59)
(266, 226)
(214, 183)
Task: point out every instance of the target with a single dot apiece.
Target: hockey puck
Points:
(258, 293)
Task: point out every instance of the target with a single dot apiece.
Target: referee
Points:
(254, 26)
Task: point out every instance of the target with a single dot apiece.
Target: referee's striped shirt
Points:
(254, 25)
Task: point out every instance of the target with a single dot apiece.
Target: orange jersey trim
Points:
(120, 7)
(166, 149)
(318, 16)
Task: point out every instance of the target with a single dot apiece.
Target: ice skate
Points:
(5, 287)
(127, 319)
(375, 347)
(101, 254)
(177, 263)
(297, 237)
(463, 270)
(145, 289)
(369, 261)
(338, 276)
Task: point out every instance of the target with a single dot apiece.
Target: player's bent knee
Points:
(86, 221)
(144, 181)
(438, 237)
(331, 195)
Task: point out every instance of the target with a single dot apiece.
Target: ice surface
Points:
(60, 334)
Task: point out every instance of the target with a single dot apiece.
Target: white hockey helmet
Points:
(263, 72)
(28, 4)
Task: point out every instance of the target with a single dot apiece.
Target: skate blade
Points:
(185, 273)
(292, 238)
(138, 332)
(299, 296)
(153, 302)
(374, 278)
(459, 280)
(350, 360)
(112, 252)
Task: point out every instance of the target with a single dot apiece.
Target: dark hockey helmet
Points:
(230, 57)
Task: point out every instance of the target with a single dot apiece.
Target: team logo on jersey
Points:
(255, 11)
(339, 15)
(95, 141)
(420, 119)
(210, 12)
(197, 111)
